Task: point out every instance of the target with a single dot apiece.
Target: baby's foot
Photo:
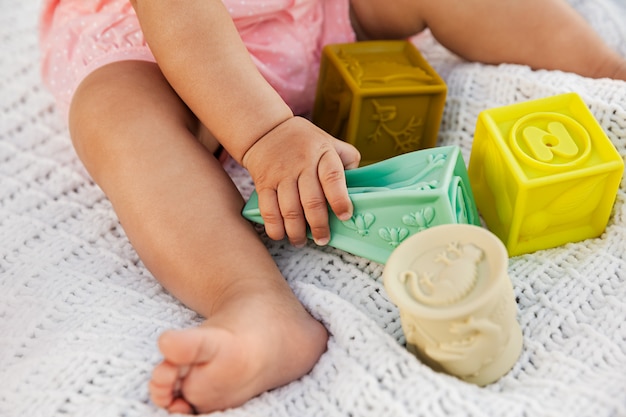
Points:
(233, 358)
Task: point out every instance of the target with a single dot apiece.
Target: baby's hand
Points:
(298, 169)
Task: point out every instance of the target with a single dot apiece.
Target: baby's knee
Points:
(374, 19)
(91, 102)
(104, 107)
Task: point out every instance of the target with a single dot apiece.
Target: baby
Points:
(147, 122)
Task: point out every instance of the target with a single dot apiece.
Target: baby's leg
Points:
(546, 34)
(182, 213)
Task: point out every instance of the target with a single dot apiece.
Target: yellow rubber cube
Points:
(543, 173)
(381, 96)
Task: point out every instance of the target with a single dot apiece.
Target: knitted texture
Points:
(80, 314)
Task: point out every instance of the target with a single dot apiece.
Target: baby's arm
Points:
(202, 56)
(295, 166)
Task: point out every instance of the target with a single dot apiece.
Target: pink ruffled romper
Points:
(284, 38)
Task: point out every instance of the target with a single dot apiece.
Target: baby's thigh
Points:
(81, 36)
(393, 19)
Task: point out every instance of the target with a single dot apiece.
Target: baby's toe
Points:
(163, 384)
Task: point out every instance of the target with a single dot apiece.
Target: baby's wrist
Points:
(246, 154)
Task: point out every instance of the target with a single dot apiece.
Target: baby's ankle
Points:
(613, 67)
(620, 72)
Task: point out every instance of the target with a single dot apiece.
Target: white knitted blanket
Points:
(80, 314)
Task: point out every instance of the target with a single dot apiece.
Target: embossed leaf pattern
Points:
(411, 220)
(405, 139)
(575, 203)
(421, 219)
(393, 235)
(580, 198)
(437, 159)
(429, 215)
(430, 185)
(360, 223)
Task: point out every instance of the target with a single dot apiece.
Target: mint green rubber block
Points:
(396, 198)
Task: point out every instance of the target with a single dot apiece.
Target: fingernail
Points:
(344, 216)
(322, 242)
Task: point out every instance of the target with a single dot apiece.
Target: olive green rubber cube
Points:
(383, 97)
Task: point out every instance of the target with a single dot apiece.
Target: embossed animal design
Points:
(405, 139)
(385, 72)
(476, 342)
(449, 284)
(479, 342)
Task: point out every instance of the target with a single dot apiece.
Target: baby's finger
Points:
(270, 211)
(315, 208)
(350, 156)
(292, 214)
(333, 181)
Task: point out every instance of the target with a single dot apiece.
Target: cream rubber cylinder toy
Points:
(456, 301)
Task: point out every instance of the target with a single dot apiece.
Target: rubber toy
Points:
(456, 301)
(383, 97)
(543, 173)
(396, 198)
